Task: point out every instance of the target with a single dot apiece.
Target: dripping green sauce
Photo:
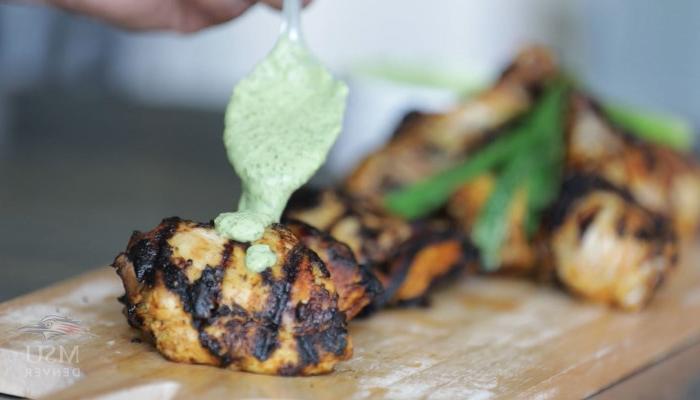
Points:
(280, 125)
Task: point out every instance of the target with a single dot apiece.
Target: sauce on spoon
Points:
(280, 125)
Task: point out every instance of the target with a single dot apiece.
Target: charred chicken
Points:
(188, 289)
(408, 259)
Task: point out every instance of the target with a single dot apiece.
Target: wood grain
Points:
(482, 338)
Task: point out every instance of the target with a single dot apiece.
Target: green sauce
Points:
(258, 257)
(244, 226)
(280, 124)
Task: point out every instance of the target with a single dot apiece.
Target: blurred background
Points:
(104, 131)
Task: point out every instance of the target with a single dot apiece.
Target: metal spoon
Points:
(291, 26)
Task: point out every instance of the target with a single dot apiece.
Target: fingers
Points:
(178, 15)
(199, 14)
(212, 12)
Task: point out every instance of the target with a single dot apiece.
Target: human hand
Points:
(176, 15)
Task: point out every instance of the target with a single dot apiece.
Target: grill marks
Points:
(578, 185)
(318, 328)
(280, 288)
(242, 327)
(317, 202)
(333, 338)
(295, 297)
(406, 260)
(176, 281)
(575, 187)
(257, 331)
(356, 285)
(143, 255)
(149, 252)
(205, 295)
(204, 292)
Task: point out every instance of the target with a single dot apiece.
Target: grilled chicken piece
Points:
(425, 144)
(517, 255)
(605, 247)
(408, 259)
(434, 252)
(658, 178)
(356, 285)
(189, 290)
(372, 235)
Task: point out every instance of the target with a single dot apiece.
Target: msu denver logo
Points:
(55, 326)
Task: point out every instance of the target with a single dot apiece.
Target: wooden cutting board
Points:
(483, 338)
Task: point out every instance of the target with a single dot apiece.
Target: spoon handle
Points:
(292, 24)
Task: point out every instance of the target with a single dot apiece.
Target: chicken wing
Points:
(189, 290)
(407, 258)
(425, 144)
(659, 178)
(604, 246)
